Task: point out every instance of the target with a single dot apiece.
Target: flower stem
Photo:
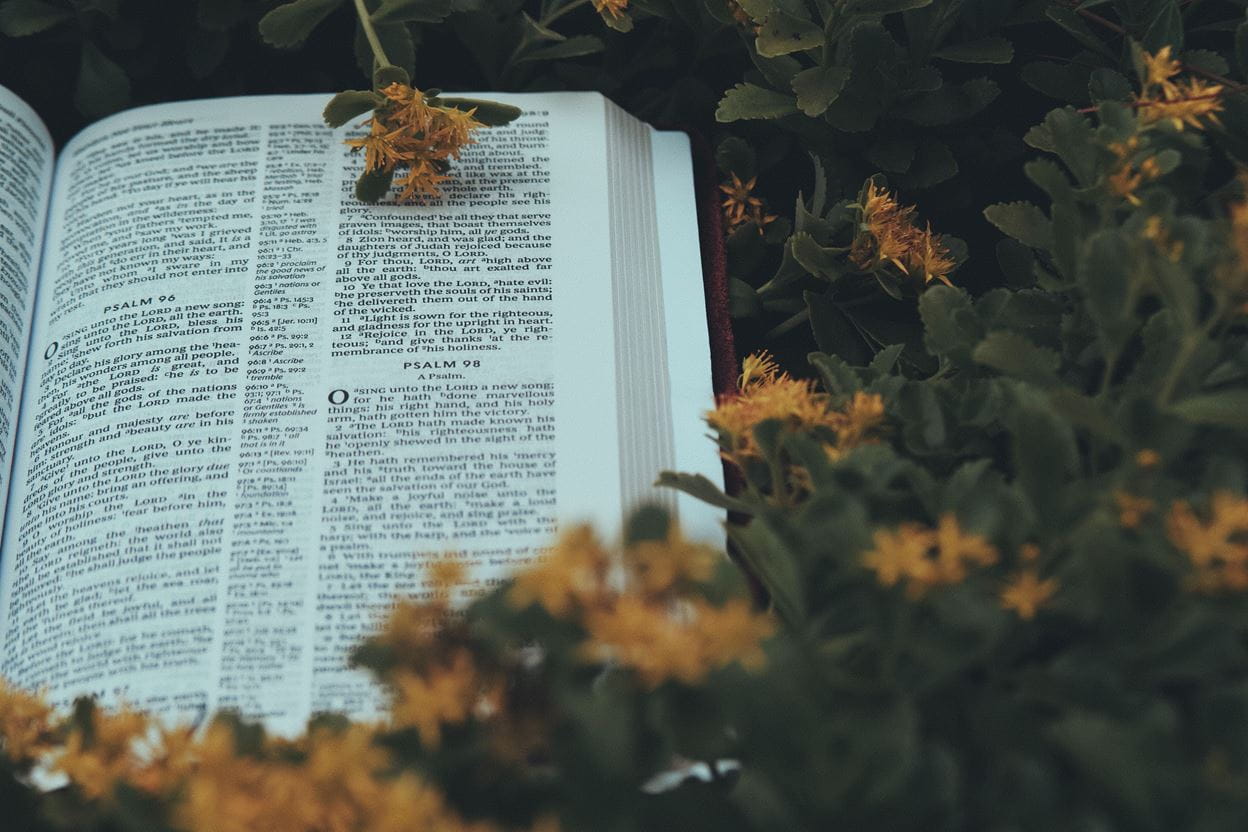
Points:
(560, 12)
(366, 21)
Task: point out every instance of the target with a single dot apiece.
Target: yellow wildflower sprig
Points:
(919, 558)
(639, 607)
(1216, 548)
(1180, 102)
(766, 394)
(888, 235)
(741, 207)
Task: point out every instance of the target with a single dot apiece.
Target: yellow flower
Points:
(863, 415)
(613, 8)
(25, 724)
(1132, 510)
(408, 131)
(685, 643)
(1218, 549)
(445, 694)
(888, 234)
(98, 759)
(924, 557)
(659, 565)
(1026, 593)
(902, 555)
(1195, 101)
(929, 257)
(742, 207)
(757, 369)
(1147, 458)
(572, 574)
(1159, 69)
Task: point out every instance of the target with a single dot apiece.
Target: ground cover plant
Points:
(989, 266)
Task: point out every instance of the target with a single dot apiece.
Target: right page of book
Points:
(251, 424)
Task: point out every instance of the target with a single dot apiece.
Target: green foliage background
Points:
(1082, 329)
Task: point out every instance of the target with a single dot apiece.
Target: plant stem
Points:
(560, 12)
(366, 21)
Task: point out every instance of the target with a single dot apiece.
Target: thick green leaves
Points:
(1022, 221)
(782, 34)
(1014, 355)
(994, 50)
(19, 18)
(290, 24)
(1228, 409)
(412, 11)
(818, 87)
(950, 325)
(489, 113)
(749, 101)
(884, 6)
(103, 86)
(350, 104)
(373, 185)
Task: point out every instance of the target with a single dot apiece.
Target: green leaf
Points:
(1109, 85)
(1022, 221)
(748, 101)
(993, 50)
(1241, 48)
(19, 18)
(574, 47)
(814, 258)
(884, 6)
(1105, 273)
(103, 87)
(933, 164)
(205, 50)
(696, 485)
(1227, 409)
(373, 185)
(489, 113)
(350, 104)
(894, 155)
(818, 87)
(1067, 83)
(412, 11)
(950, 326)
(1069, 20)
(783, 34)
(950, 103)
(1045, 453)
(387, 75)
(290, 24)
(770, 559)
(839, 379)
(834, 332)
(1014, 355)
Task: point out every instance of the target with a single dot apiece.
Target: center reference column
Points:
(263, 653)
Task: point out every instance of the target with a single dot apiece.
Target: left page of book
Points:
(26, 163)
(257, 406)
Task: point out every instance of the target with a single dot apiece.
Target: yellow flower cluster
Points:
(25, 725)
(765, 393)
(409, 132)
(615, 9)
(328, 780)
(1132, 171)
(1184, 102)
(888, 235)
(636, 609)
(923, 557)
(741, 207)
(1217, 548)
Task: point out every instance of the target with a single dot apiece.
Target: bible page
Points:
(26, 160)
(249, 425)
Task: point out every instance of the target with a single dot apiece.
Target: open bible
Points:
(239, 408)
